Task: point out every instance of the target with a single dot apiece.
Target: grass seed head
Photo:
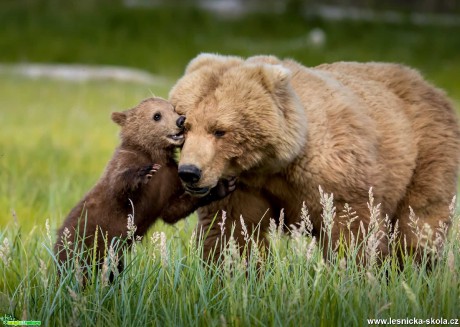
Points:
(5, 252)
(222, 223)
(305, 217)
(244, 231)
(66, 238)
(164, 250)
(410, 294)
(328, 214)
(48, 232)
(43, 273)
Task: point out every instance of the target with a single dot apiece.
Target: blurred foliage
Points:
(163, 39)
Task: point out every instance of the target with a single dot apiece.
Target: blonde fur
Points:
(344, 126)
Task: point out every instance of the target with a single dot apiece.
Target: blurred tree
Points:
(297, 6)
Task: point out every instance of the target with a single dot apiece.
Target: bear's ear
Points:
(119, 118)
(210, 59)
(274, 77)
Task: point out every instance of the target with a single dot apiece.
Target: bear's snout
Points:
(189, 174)
(180, 122)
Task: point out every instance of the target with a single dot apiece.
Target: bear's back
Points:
(361, 119)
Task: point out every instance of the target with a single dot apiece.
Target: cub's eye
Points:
(157, 116)
(219, 133)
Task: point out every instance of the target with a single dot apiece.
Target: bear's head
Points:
(151, 125)
(241, 117)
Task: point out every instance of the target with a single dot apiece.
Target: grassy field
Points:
(165, 283)
(56, 137)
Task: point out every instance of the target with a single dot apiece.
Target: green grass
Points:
(165, 283)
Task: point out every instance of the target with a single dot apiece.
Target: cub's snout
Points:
(180, 122)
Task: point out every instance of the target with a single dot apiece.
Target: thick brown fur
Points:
(344, 126)
(141, 179)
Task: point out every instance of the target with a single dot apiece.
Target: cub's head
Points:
(152, 124)
(241, 116)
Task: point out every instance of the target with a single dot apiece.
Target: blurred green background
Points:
(162, 39)
(56, 136)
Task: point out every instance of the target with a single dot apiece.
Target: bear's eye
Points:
(157, 116)
(219, 133)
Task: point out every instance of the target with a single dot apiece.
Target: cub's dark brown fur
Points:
(141, 178)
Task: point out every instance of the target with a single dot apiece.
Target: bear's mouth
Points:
(196, 191)
(177, 138)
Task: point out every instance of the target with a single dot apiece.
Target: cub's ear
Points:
(213, 60)
(119, 118)
(274, 77)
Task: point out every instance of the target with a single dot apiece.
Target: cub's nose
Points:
(180, 121)
(189, 174)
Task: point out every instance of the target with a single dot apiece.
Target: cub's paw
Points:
(223, 188)
(146, 173)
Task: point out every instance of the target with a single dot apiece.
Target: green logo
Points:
(5, 319)
(8, 320)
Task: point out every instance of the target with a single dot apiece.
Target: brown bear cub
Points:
(141, 180)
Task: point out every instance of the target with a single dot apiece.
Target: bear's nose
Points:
(189, 174)
(180, 121)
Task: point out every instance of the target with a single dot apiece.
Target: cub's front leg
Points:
(144, 174)
(135, 177)
(184, 204)
(129, 180)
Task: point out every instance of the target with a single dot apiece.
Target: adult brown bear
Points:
(285, 129)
